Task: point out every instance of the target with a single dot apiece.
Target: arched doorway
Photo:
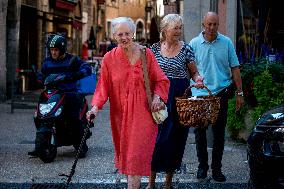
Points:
(28, 41)
(139, 31)
(154, 32)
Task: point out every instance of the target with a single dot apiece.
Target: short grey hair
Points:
(120, 20)
(167, 21)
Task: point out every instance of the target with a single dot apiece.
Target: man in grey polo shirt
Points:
(217, 62)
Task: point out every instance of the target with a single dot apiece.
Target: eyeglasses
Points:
(126, 34)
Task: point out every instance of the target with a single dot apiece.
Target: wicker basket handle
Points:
(185, 94)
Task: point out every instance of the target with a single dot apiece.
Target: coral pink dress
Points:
(133, 128)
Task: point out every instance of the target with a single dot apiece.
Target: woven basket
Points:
(197, 112)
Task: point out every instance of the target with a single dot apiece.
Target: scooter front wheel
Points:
(46, 151)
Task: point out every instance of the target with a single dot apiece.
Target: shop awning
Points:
(65, 4)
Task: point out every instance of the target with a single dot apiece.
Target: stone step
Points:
(27, 100)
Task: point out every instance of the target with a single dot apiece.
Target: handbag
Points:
(159, 116)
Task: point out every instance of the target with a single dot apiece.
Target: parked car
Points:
(266, 151)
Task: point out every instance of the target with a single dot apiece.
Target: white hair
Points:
(120, 20)
(168, 20)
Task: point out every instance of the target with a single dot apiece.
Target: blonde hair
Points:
(120, 20)
(168, 20)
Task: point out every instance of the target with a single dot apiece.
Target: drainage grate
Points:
(47, 186)
(186, 184)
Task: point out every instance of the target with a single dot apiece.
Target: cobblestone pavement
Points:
(18, 170)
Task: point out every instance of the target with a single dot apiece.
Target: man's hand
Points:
(239, 102)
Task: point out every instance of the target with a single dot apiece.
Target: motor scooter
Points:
(53, 124)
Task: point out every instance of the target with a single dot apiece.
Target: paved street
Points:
(18, 170)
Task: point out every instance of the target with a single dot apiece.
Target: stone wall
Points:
(12, 53)
(3, 15)
(194, 12)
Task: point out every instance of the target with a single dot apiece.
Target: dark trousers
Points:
(73, 107)
(73, 104)
(218, 130)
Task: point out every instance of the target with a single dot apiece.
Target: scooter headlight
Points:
(46, 108)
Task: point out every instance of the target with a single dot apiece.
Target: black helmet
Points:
(57, 41)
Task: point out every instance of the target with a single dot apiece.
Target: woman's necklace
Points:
(170, 51)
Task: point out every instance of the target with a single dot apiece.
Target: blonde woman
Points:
(175, 57)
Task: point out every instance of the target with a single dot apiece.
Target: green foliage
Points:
(235, 121)
(265, 82)
(268, 92)
(250, 70)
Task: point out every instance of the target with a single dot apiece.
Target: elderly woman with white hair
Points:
(176, 59)
(122, 83)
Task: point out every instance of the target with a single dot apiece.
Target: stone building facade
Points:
(9, 44)
(254, 26)
(111, 9)
(141, 11)
(25, 26)
(194, 12)
(3, 51)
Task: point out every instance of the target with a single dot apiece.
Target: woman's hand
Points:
(157, 103)
(195, 75)
(92, 113)
(199, 82)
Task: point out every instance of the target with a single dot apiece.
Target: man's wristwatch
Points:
(240, 93)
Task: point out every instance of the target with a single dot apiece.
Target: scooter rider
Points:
(59, 63)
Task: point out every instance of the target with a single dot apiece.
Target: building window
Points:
(139, 31)
(214, 6)
(109, 32)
